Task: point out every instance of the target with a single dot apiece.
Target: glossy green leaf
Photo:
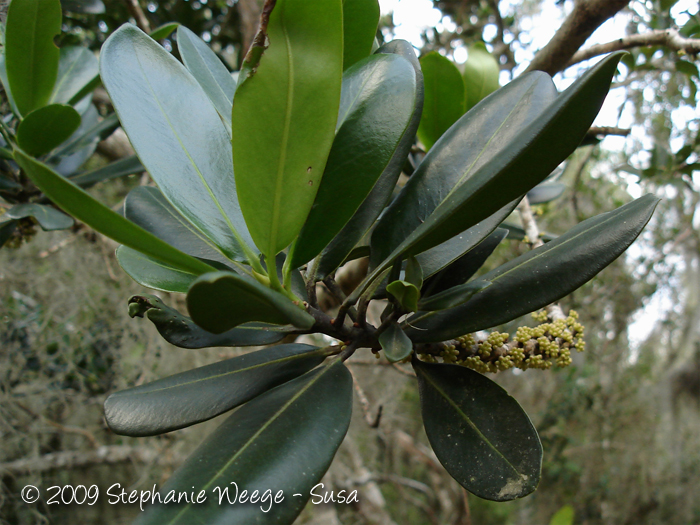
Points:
(194, 396)
(376, 106)
(452, 297)
(507, 144)
(180, 330)
(78, 75)
(7, 228)
(343, 243)
(545, 192)
(76, 202)
(443, 255)
(220, 301)
(31, 57)
(49, 218)
(118, 168)
(541, 276)
(164, 30)
(210, 72)
(461, 270)
(479, 433)
(45, 128)
(6, 85)
(406, 294)
(147, 207)
(152, 273)
(283, 440)
(284, 118)
(444, 97)
(481, 72)
(395, 343)
(414, 272)
(360, 21)
(176, 133)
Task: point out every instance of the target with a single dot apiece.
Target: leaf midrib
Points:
(257, 434)
(466, 419)
(230, 373)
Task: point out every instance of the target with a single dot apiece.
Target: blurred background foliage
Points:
(620, 427)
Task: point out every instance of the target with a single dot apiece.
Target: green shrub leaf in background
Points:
(481, 74)
(444, 97)
(202, 393)
(478, 432)
(78, 75)
(31, 57)
(283, 440)
(284, 118)
(49, 218)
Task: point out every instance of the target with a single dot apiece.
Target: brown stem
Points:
(138, 15)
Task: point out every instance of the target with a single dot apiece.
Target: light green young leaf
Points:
(481, 73)
(283, 121)
(31, 57)
(444, 97)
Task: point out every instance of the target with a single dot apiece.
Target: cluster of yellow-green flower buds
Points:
(543, 346)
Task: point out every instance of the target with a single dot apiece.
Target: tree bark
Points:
(586, 17)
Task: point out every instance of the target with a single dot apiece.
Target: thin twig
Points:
(139, 16)
(68, 430)
(669, 38)
(372, 421)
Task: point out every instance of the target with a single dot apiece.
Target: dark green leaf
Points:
(461, 270)
(414, 272)
(283, 440)
(502, 161)
(6, 182)
(284, 117)
(194, 396)
(74, 201)
(147, 207)
(479, 433)
(49, 218)
(541, 276)
(118, 168)
(444, 97)
(687, 68)
(181, 331)
(152, 273)
(442, 255)
(481, 72)
(220, 301)
(395, 343)
(163, 31)
(343, 243)
(210, 72)
(78, 75)
(405, 293)
(452, 297)
(177, 134)
(31, 57)
(6, 85)
(7, 228)
(45, 128)
(377, 102)
(360, 20)
(545, 192)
